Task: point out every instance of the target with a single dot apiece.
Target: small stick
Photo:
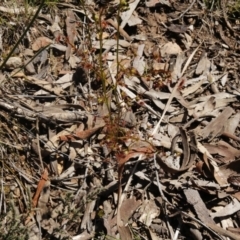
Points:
(181, 15)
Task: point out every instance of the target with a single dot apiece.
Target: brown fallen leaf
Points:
(41, 42)
(122, 158)
(84, 134)
(227, 152)
(176, 28)
(71, 32)
(193, 197)
(40, 187)
(227, 170)
(216, 127)
(128, 207)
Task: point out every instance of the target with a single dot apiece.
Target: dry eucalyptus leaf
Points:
(216, 126)
(170, 49)
(65, 81)
(229, 209)
(152, 3)
(110, 43)
(128, 207)
(187, 40)
(225, 151)
(71, 31)
(134, 20)
(193, 197)
(126, 15)
(224, 79)
(148, 210)
(59, 47)
(43, 200)
(177, 28)
(53, 143)
(186, 91)
(41, 42)
(55, 26)
(203, 65)
(83, 236)
(227, 170)
(29, 66)
(232, 123)
(138, 62)
(177, 69)
(13, 63)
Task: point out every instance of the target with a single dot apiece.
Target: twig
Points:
(223, 7)
(38, 218)
(157, 177)
(84, 181)
(121, 31)
(181, 15)
(122, 196)
(164, 198)
(166, 107)
(173, 93)
(2, 195)
(31, 115)
(38, 144)
(130, 179)
(196, 220)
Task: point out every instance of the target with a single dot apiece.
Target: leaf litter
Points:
(120, 120)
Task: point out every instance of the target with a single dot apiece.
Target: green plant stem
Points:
(100, 55)
(101, 67)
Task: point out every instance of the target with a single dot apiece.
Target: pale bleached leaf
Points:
(203, 65)
(170, 49)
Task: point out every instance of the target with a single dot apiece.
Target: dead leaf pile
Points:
(120, 120)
